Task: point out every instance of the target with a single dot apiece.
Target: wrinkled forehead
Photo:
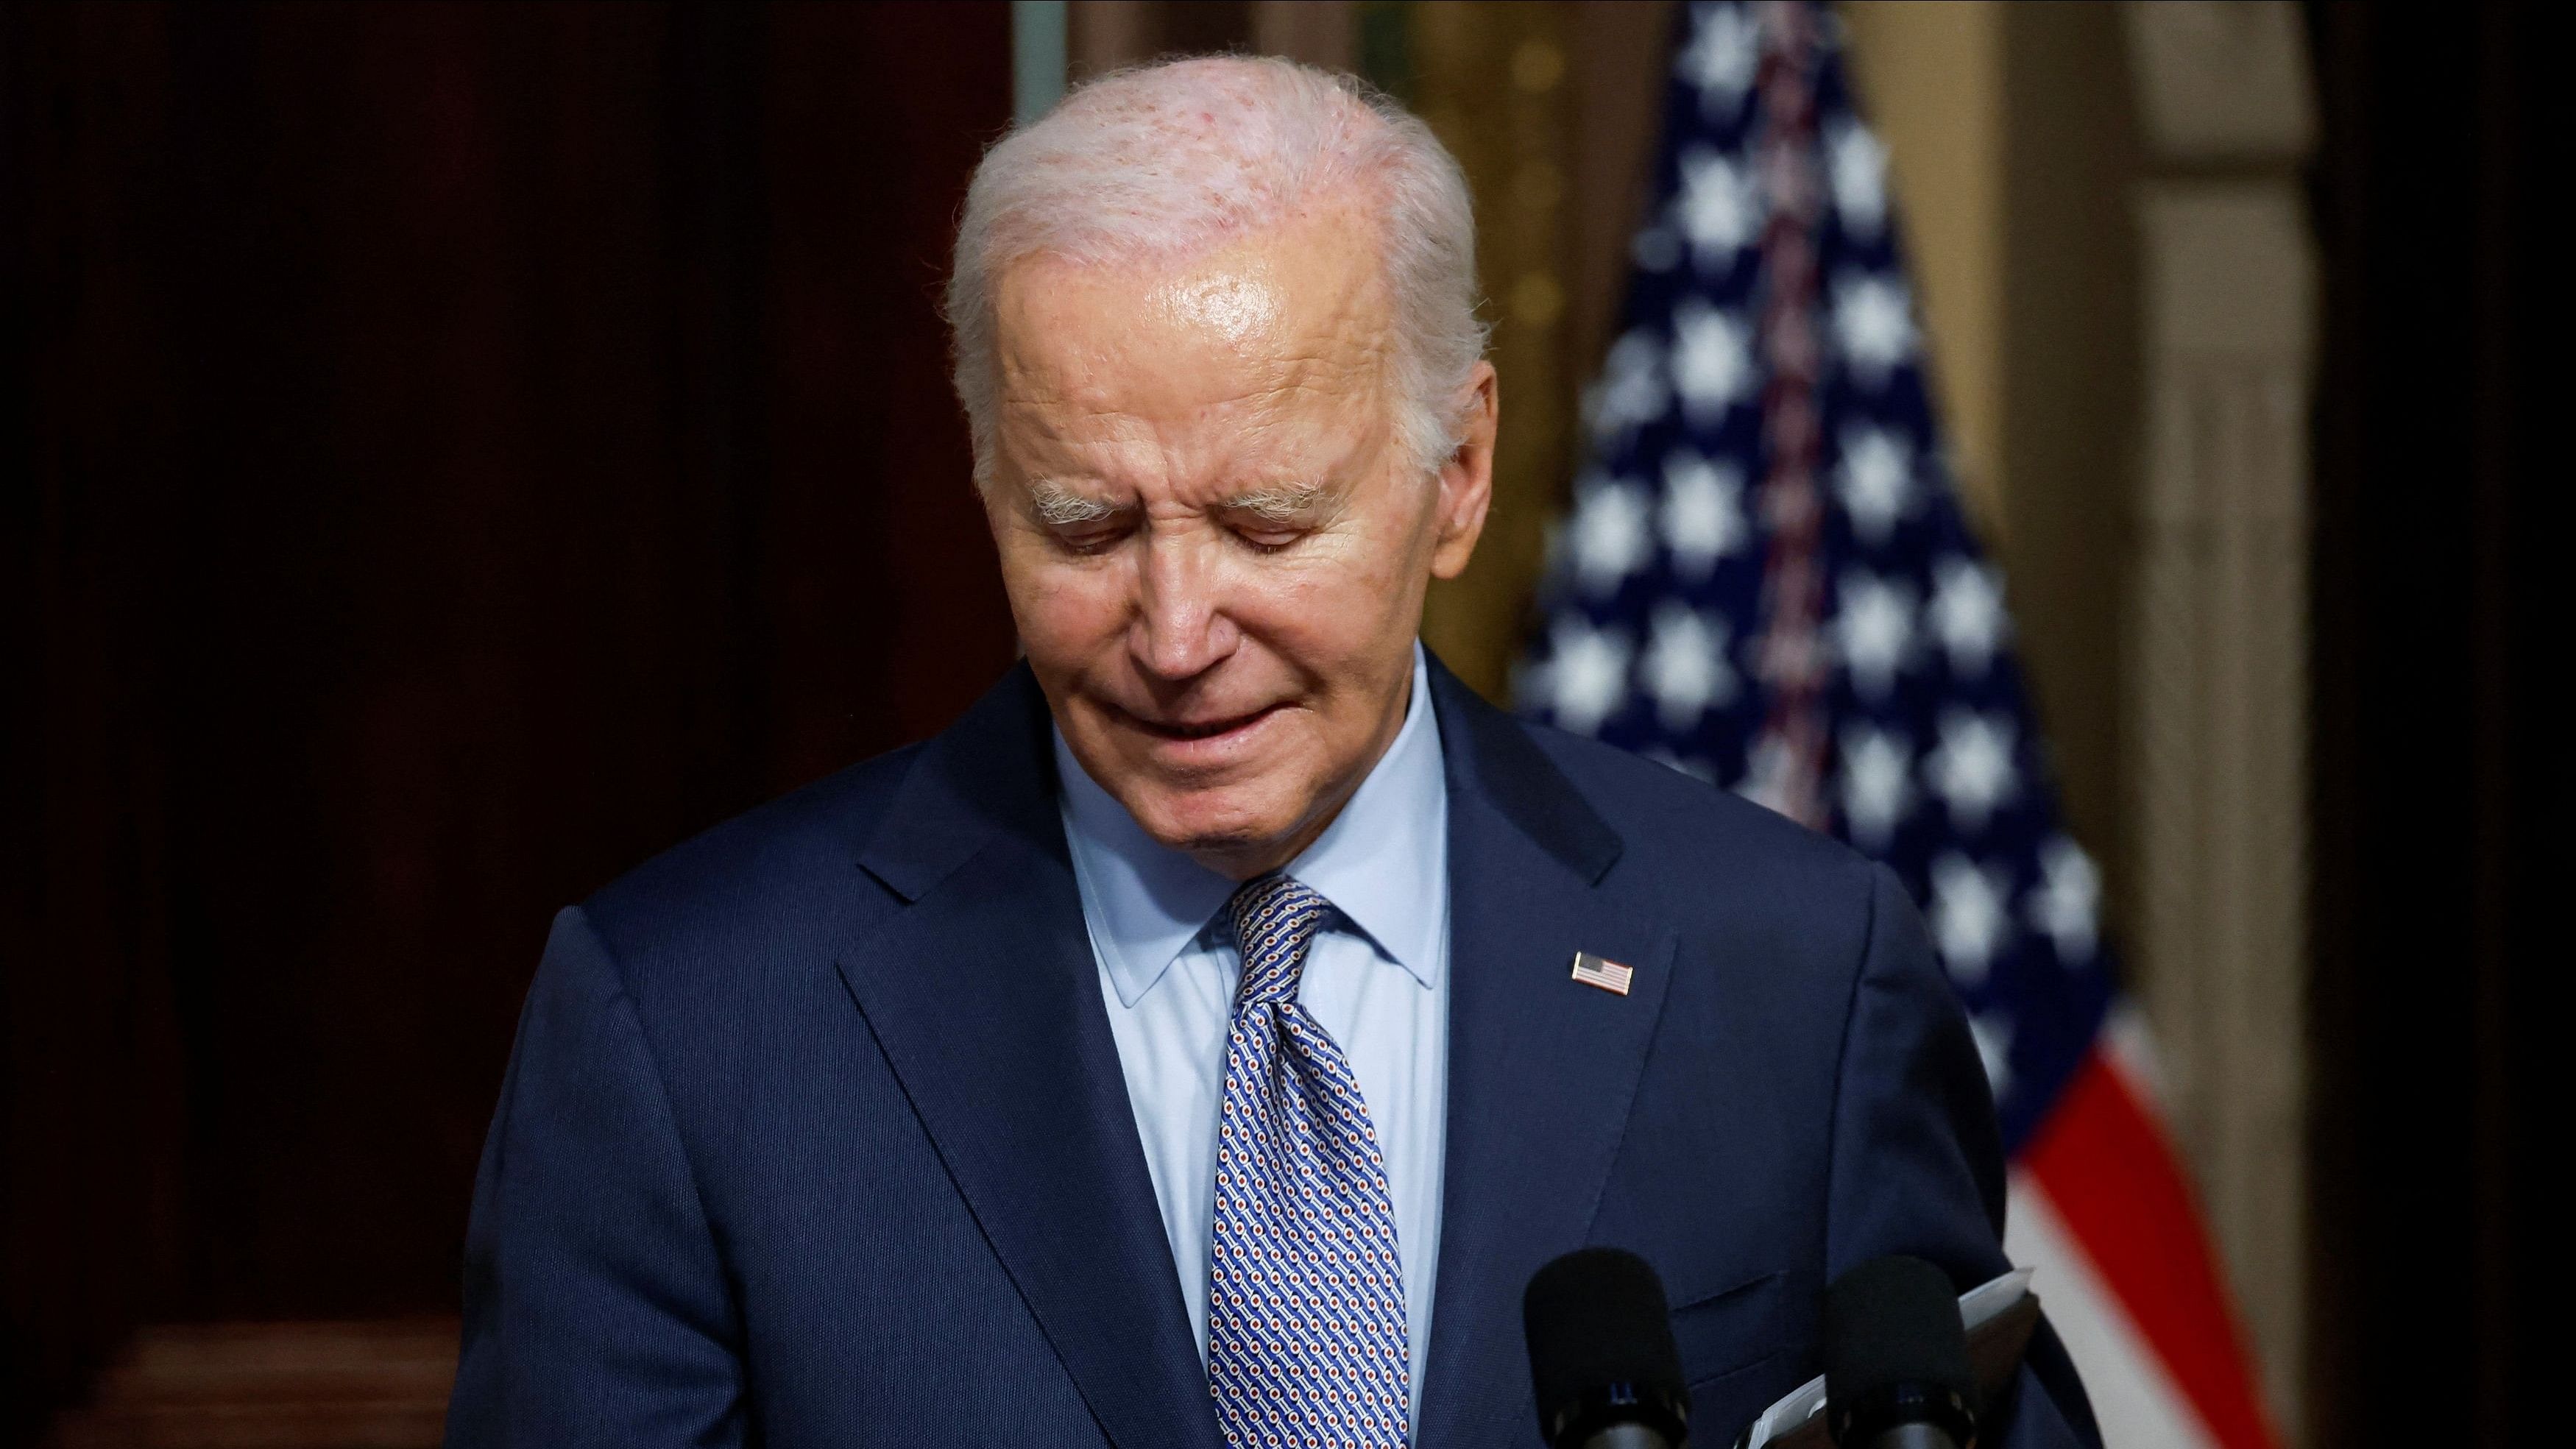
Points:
(1287, 320)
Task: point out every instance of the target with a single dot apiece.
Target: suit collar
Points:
(986, 775)
(1491, 756)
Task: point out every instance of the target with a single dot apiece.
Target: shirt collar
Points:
(1383, 863)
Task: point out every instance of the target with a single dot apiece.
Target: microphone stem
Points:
(1628, 1436)
(1915, 1436)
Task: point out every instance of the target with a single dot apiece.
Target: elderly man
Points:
(990, 1091)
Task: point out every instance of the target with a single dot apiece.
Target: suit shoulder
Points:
(791, 860)
(1775, 921)
(1681, 830)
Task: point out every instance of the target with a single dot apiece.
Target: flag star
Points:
(1585, 679)
(1972, 768)
(1993, 1033)
(1712, 360)
(1968, 613)
(1873, 631)
(1720, 60)
(1768, 769)
(1967, 917)
(1716, 208)
(1878, 786)
(2068, 899)
(1685, 665)
(1857, 164)
(1632, 387)
(1876, 482)
(1613, 535)
(1874, 324)
(1703, 513)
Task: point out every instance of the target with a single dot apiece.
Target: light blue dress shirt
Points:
(1377, 978)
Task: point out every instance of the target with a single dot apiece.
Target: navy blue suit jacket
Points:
(814, 1131)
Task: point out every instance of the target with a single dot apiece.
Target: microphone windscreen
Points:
(1595, 1318)
(1891, 1323)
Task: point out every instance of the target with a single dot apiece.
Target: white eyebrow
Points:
(1283, 503)
(1060, 507)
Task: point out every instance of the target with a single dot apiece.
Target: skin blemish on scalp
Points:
(1232, 305)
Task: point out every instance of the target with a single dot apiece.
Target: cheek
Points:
(1350, 583)
(1066, 611)
(1328, 612)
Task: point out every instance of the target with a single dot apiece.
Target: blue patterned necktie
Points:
(1306, 1325)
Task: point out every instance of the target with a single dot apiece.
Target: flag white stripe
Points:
(2135, 1399)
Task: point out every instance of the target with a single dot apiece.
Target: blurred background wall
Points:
(465, 449)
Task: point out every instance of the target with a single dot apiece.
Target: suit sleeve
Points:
(596, 1307)
(1917, 1163)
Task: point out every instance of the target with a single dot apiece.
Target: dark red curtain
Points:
(452, 452)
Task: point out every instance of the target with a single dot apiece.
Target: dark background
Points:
(457, 452)
(450, 453)
(2440, 1004)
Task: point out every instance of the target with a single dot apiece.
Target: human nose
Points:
(1180, 630)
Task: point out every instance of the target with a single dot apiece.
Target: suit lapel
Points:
(986, 1001)
(1542, 1069)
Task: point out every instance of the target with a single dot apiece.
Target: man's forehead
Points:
(1305, 293)
(1263, 359)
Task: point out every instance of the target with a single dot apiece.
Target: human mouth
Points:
(1206, 740)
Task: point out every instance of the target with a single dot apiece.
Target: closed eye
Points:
(1091, 538)
(1269, 537)
(1277, 518)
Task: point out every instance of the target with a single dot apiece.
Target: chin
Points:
(1219, 821)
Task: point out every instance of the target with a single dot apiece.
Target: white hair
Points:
(1163, 162)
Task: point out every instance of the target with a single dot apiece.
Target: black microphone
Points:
(1602, 1356)
(1896, 1360)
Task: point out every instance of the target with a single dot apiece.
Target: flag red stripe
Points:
(2106, 1164)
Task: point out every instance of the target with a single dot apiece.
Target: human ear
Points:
(1466, 480)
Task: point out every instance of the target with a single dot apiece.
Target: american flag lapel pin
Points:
(1606, 974)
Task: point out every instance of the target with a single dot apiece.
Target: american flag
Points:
(1766, 581)
(1610, 976)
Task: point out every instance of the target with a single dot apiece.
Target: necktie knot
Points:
(1275, 918)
